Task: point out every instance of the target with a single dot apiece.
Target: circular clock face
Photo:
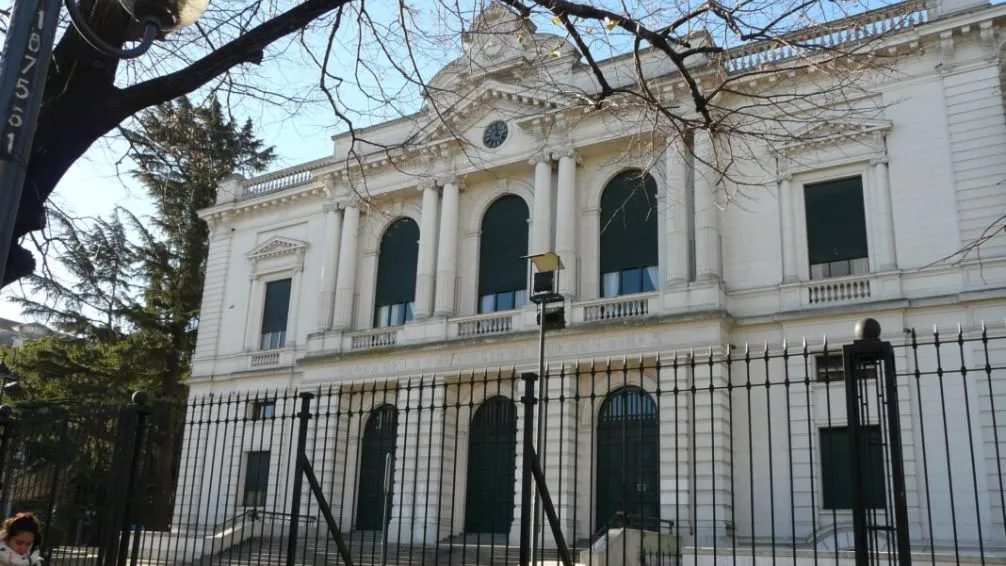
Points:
(495, 134)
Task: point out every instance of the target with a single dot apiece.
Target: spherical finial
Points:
(6, 411)
(867, 329)
(140, 398)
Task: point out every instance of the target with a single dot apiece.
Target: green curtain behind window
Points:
(503, 245)
(629, 222)
(836, 220)
(396, 263)
(277, 306)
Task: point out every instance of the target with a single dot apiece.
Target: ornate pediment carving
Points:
(832, 132)
(277, 246)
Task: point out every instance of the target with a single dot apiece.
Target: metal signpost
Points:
(26, 56)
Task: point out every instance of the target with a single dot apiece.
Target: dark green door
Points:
(492, 457)
(378, 441)
(628, 457)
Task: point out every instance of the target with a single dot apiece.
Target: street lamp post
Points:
(544, 293)
(27, 51)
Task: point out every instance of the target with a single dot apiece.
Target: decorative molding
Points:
(276, 247)
(987, 34)
(833, 132)
(946, 51)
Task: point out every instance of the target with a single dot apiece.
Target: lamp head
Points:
(171, 14)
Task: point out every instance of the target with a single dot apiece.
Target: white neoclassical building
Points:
(370, 273)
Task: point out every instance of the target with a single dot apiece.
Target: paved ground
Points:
(367, 552)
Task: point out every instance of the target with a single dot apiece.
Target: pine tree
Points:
(128, 311)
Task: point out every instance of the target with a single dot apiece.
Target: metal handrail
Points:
(631, 520)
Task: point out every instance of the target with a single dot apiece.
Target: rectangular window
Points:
(262, 410)
(256, 478)
(829, 367)
(275, 314)
(502, 302)
(629, 281)
(836, 228)
(836, 481)
(394, 315)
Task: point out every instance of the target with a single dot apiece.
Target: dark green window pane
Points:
(502, 246)
(256, 479)
(836, 221)
(629, 236)
(277, 306)
(396, 264)
(836, 481)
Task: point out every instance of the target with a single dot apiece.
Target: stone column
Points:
(447, 253)
(787, 212)
(541, 221)
(711, 453)
(677, 213)
(346, 280)
(330, 263)
(565, 222)
(426, 266)
(887, 259)
(707, 212)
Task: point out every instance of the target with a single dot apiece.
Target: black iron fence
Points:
(800, 453)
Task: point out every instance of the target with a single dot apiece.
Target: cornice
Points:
(983, 24)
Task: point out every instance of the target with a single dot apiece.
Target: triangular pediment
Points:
(276, 246)
(491, 97)
(825, 132)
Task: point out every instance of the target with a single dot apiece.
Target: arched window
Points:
(628, 457)
(629, 256)
(379, 439)
(396, 274)
(492, 464)
(502, 269)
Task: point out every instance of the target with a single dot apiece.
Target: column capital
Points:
(330, 206)
(567, 151)
(786, 177)
(882, 160)
(426, 183)
(541, 156)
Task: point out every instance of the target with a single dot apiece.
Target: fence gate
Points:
(875, 458)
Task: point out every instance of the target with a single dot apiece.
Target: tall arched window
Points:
(502, 269)
(396, 274)
(628, 456)
(629, 256)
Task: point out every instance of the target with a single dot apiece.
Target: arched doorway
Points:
(628, 456)
(492, 457)
(378, 441)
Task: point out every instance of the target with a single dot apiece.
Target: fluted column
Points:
(541, 222)
(678, 252)
(787, 211)
(447, 253)
(565, 222)
(346, 279)
(330, 263)
(707, 212)
(887, 259)
(426, 266)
